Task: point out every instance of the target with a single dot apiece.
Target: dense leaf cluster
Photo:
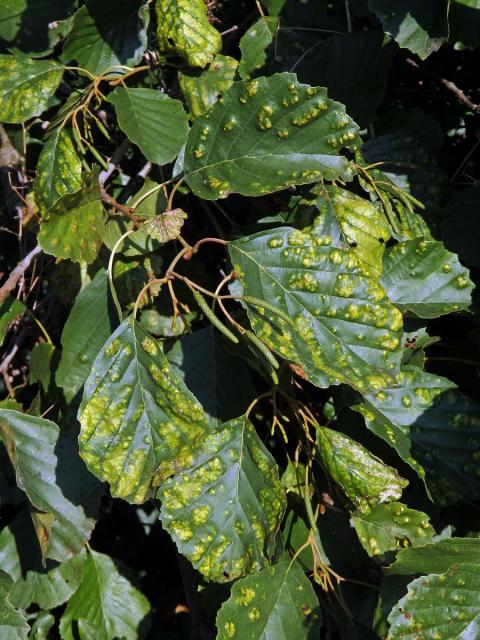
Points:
(238, 323)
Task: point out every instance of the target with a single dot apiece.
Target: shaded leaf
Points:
(203, 90)
(10, 309)
(105, 36)
(355, 67)
(444, 605)
(42, 626)
(224, 510)
(183, 28)
(40, 364)
(139, 421)
(279, 602)
(363, 226)
(20, 557)
(26, 86)
(464, 16)
(29, 29)
(108, 601)
(437, 557)
(294, 138)
(13, 624)
(74, 227)
(59, 170)
(433, 427)
(423, 277)
(332, 320)
(253, 45)
(85, 332)
(417, 25)
(63, 498)
(459, 226)
(364, 478)
(220, 381)
(152, 120)
(388, 527)
(274, 7)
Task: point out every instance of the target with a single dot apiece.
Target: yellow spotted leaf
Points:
(325, 314)
(139, 423)
(183, 28)
(224, 510)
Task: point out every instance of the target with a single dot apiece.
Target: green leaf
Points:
(389, 527)
(274, 7)
(423, 277)
(108, 601)
(253, 45)
(13, 625)
(436, 557)
(59, 170)
(363, 226)
(88, 326)
(342, 328)
(418, 25)
(105, 36)
(10, 309)
(139, 421)
(439, 606)
(217, 378)
(74, 227)
(294, 138)
(355, 67)
(464, 18)
(433, 427)
(183, 28)
(152, 120)
(203, 90)
(224, 510)
(279, 602)
(26, 86)
(20, 557)
(64, 498)
(364, 478)
(42, 626)
(29, 29)
(40, 364)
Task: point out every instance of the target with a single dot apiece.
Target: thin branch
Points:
(448, 84)
(114, 160)
(12, 280)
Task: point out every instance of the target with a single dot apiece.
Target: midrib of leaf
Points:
(143, 400)
(275, 606)
(99, 591)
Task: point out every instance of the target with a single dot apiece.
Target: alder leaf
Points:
(253, 45)
(423, 277)
(59, 170)
(106, 35)
(278, 602)
(74, 227)
(436, 557)
(13, 623)
(108, 601)
(139, 423)
(40, 365)
(418, 25)
(152, 120)
(39, 453)
(433, 427)
(363, 226)
(26, 86)
(86, 330)
(332, 319)
(224, 510)
(203, 90)
(440, 606)
(10, 309)
(267, 134)
(183, 28)
(464, 18)
(364, 478)
(389, 527)
(20, 557)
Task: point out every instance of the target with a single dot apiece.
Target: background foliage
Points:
(238, 319)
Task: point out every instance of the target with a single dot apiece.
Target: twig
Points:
(12, 280)
(114, 160)
(127, 211)
(448, 84)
